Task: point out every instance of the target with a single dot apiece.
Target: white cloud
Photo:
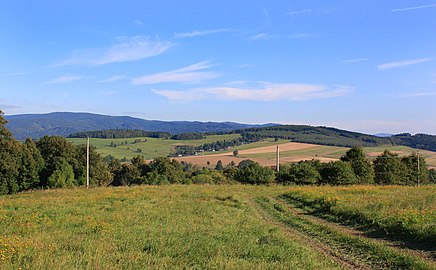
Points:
(196, 33)
(64, 79)
(263, 92)
(191, 74)
(405, 63)
(266, 36)
(354, 60)
(413, 8)
(127, 50)
(261, 36)
(113, 79)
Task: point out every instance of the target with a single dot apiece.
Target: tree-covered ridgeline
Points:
(53, 162)
(120, 134)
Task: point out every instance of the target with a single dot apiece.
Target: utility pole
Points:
(87, 163)
(278, 160)
(418, 167)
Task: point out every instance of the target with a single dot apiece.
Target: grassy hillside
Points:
(197, 227)
(317, 135)
(151, 148)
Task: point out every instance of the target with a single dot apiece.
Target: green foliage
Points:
(55, 147)
(255, 174)
(188, 136)
(362, 167)
(420, 141)
(62, 176)
(219, 165)
(172, 169)
(338, 173)
(235, 153)
(300, 173)
(10, 159)
(316, 135)
(119, 133)
(411, 169)
(31, 166)
(432, 175)
(389, 169)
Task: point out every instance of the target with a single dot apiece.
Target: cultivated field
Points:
(219, 227)
(262, 151)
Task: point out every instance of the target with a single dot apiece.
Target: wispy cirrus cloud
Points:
(354, 60)
(267, 36)
(128, 49)
(64, 79)
(196, 33)
(114, 79)
(404, 63)
(264, 91)
(414, 8)
(307, 11)
(190, 74)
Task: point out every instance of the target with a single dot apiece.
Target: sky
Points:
(367, 66)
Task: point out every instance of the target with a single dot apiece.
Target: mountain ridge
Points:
(65, 123)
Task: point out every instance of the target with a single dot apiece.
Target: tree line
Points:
(53, 162)
(120, 134)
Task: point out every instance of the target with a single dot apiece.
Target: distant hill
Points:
(317, 135)
(338, 137)
(65, 123)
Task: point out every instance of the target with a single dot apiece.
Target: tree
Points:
(338, 173)
(54, 147)
(236, 153)
(254, 173)
(31, 165)
(172, 169)
(389, 169)
(299, 173)
(10, 159)
(62, 176)
(219, 166)
(432, 175)
(99, 172)
(362, 168)
(411, 169)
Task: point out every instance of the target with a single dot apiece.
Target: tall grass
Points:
(406, 212)
(151, 227)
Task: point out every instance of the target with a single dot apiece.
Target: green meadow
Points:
(202, 227)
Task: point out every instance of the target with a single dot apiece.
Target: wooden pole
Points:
(418, 168)
(278, 160)
(87, 163)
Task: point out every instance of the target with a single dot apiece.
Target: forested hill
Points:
(65, 123)
(338, 137)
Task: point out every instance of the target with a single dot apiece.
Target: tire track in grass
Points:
(358, 252)
(313, 243)
(428, 256)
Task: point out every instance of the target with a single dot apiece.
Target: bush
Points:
(254, 174)
(62, 176)
(338, 173)
(300, 173)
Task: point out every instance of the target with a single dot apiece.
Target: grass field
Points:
(200, 227)
(151, 148)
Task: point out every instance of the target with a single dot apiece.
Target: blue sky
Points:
(367, 66)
